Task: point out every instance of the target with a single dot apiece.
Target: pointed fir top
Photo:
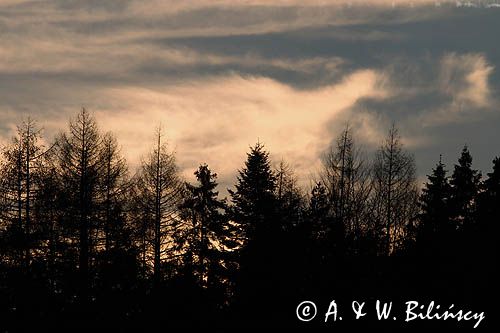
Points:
(496, 166)
(493, 180)
(438, 174)
(206, 178)
(465, 159)
(257, 174)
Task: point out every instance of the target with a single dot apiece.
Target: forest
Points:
(88, 243)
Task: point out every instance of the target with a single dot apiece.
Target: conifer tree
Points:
(208, 238)
(465, 183)
(208, 232)
(434, 226)
(254, 200)
(289, 197)
(491, 188)
(254, 210)
(320, 220)
(489, 212)
(318, 204)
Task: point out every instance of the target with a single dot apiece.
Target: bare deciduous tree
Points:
(79, 165)
(345, 174)
(395, 193)
(158, 196)
(21, 171)
(113, 188)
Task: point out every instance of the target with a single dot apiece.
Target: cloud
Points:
(173, 19)
(215, 121)
(465, 78)
(436, 89)
(221, 74)
(462, 86)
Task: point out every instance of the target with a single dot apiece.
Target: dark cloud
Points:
(93, 5)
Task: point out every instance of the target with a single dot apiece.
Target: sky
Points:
(221, 75)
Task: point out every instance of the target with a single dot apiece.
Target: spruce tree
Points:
(489, 210)
(254, 211)
(434, 226)
(319, 208)
(319, 222)
(465, 183)
(208, 233)
(254, 200)
(491, 194)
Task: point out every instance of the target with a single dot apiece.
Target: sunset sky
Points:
(220, 75)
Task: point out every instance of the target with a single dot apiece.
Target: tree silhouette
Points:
(491, 194)
(394, 191)
(83, 244)
(346, 176)
(79, 166)
(254, 200)
(321, 222)
(112, 235)
(290, 199)
(114, 185)
(465, 186)
(208, 239)
(50, 210)
(435, 224)
(21, 172)
(255, 211)
(158, 194)
(209, 234)
(489, 214)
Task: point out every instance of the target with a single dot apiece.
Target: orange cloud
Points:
(214, 121)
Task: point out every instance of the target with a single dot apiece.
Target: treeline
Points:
(84, 240)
